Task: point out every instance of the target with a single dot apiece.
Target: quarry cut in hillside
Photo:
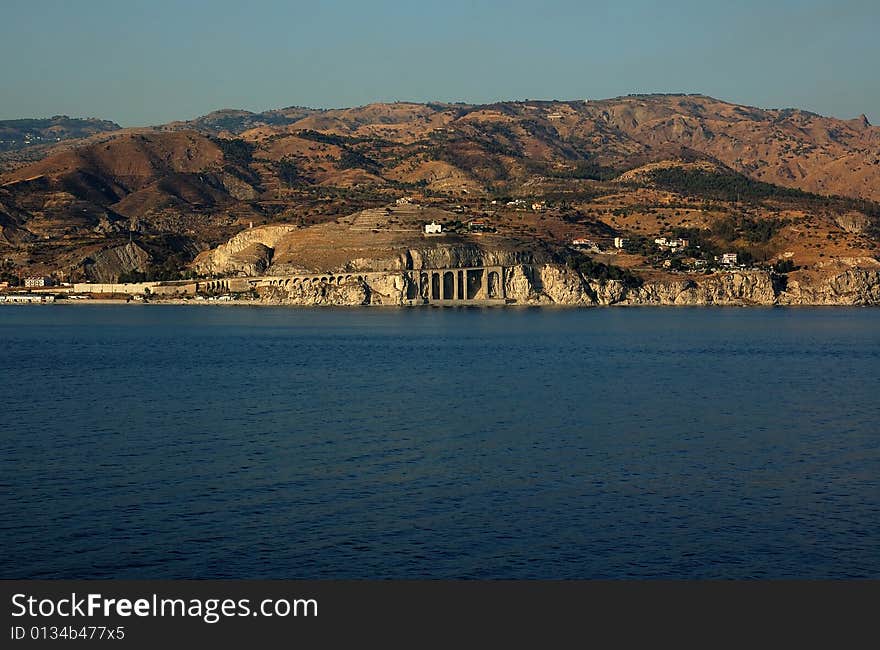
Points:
(380, 239)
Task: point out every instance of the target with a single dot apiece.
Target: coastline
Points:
(513, 306)
(522, 285)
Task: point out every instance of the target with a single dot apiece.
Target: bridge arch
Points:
(448, 285)
(494, 285)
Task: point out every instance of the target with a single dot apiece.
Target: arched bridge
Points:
(446, 286)
(473, 284)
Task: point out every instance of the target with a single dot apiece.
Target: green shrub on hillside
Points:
(742, 227)
(236, 151)
(721, 186)
(351, 159)
(590, 268)
(288, 172)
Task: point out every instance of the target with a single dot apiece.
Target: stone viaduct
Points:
(448, 286)
(478, 284)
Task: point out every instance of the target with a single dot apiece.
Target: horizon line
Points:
(585, 100)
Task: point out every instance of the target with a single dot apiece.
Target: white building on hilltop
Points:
(433, 228)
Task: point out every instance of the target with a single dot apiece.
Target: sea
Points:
(151, 441)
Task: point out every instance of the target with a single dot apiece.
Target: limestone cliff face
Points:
(389, 288)
(733, 288)
(851, 287)
(248, 253)
(547, 284)
(551, 284)
(350, 293)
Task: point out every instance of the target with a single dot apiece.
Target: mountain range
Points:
(88, 199)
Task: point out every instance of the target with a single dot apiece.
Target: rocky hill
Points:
(516, 181)
(789, 147)
(27, 140)
(21, 134)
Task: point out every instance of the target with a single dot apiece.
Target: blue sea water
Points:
(207, 442)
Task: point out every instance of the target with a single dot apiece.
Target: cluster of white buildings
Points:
(26, 298)
(39, 281)
(672, 244)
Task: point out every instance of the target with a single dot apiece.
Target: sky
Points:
(143, 63)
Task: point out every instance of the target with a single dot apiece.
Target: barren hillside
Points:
(774, 185)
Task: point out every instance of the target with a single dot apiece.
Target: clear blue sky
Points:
(139, 62)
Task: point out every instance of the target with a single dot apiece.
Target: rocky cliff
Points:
(851, 287)
(561, 286)
(391, 289)
(108, 264)
(551, 284)
(557, 285)
(248, 253)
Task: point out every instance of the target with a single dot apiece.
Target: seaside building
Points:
(38, 281)
(25, 298)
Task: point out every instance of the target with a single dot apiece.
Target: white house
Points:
(729, 259)
(619, 242)
(433, 228)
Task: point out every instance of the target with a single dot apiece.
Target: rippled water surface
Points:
(151, 441)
